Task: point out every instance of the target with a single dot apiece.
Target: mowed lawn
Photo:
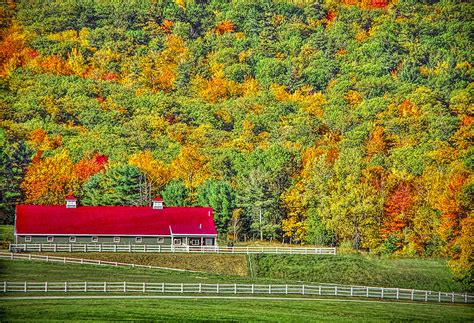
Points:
(245, 310)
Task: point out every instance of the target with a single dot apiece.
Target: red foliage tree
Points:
(379, 3)
(397, 205)
(86, 168)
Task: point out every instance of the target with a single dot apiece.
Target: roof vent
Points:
(157, 203)
(71, 202)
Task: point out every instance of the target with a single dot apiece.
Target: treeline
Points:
(327, 122)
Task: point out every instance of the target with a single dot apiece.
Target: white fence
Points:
(69, 260)
(248, 289)
(50, 247)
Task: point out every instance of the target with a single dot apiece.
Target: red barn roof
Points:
(113, 220)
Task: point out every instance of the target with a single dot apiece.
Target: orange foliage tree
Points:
(397, 207)
(225, 26)
(49, 180)
(451, 219)
(87, 167)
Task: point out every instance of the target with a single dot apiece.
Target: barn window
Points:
(50, 239)
(209, 242)
(176, 241)
(116, 239)
(195, 242)
(72, 239)
(28, 239)
(138, 239)
(160, 240)
(95, 239)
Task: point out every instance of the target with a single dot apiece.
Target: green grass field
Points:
(431, 274)
(195, 309)
(422, 273)
(41, 271)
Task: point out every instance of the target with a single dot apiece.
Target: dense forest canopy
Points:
(326, 122)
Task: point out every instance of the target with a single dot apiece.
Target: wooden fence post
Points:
(235, 288)
(85, 287)
(319, 290)
(25, 287)
(302, 289)
(253, 288)
(439, 296)
(200, 288)
(269, 288)
(335, 290)
(286, 289)
(426, 296)
(124, 287)
(182, 288)
(65, 287)
(398, 293)
(4, 287)
(144, 287)
(453, 298)
(45, 286)
(217, 288)
(368, 291)
(465, 297)
(352, 291)
(381, 292)
(105, 287)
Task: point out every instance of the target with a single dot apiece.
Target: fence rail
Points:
(201, 288)
(82, 261)
(50, 247)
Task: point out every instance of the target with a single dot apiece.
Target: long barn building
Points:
(152, 225)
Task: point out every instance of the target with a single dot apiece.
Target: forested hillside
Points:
(328, 122)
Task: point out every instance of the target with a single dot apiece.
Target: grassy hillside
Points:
(39, 271)
(360, 270)
(343, 269)
(228, 310)
(211, 263)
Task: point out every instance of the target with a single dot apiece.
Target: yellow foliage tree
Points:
(190, 166)
(294, 225)
(311, 102)
(48, 181)
(157, 173)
